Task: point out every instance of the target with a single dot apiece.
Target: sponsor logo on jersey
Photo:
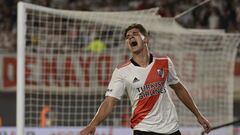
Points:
(150, 93)
(151, 89)
(135, 80)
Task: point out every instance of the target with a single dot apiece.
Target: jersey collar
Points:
(136, 64)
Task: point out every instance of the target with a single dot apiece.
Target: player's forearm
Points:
(104, 110)
(186, 98)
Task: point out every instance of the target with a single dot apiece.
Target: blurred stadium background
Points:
(219, 14)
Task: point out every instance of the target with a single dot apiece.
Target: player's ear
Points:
(146, 39)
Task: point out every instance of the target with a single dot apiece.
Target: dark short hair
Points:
(137, 26)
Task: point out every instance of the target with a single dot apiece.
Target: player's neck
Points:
(142, 59)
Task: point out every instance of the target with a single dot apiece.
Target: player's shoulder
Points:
(160, 57)
(124, 64)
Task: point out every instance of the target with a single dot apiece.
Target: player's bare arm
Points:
(104, 110)
(187, 100)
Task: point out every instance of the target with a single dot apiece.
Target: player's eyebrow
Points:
(135, 32)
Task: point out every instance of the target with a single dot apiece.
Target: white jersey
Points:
(152, 107)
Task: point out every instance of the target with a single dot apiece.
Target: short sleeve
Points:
(172, 76)
(116, 86)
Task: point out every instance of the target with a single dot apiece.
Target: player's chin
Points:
(136, 51)
(132, 49)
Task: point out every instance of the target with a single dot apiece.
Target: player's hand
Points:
(205, 124)
(89, 130)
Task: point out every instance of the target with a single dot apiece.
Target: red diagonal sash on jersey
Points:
(145, 105)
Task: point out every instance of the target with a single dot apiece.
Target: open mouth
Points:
(133, 43)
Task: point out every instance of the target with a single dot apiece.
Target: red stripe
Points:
(145, 105)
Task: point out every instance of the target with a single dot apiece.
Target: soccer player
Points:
(146, 77)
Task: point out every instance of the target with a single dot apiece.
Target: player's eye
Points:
(133, 34)
(127, 37)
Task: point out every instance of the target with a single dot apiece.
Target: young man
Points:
(146, 78)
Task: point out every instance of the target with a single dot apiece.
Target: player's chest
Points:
(136, 78)
(140, 77)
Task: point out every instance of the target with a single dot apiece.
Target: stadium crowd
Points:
(219, 14)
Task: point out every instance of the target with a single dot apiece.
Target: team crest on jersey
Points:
(160, 72)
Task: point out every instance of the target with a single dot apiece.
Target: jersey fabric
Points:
(152, 107)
